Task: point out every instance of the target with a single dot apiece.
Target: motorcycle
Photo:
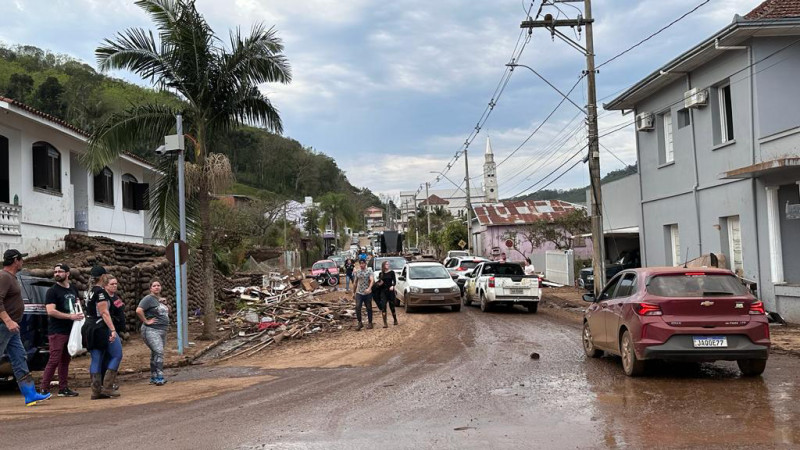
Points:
(327, 279)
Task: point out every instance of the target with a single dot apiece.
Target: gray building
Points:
(621, 220)
(718, 144)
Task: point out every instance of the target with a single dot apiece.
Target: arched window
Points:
(46, 167)
(129, 192)
(104, 187)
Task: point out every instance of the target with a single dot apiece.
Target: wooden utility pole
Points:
(428, 210)
(469, 200)
(598, 244)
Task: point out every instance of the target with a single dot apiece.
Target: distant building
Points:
(373, 219)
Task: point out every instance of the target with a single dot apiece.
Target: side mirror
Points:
(401, 278)
(588, 298)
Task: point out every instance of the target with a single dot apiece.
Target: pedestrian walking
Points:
(102, 337)
(349, 266)
(61, 303)
(362, 291)
(12, 309)
(153, 311)
(386, 281)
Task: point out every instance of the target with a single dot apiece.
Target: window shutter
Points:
(141, 196)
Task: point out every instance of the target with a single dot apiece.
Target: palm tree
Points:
(218, 88)
(336, 209)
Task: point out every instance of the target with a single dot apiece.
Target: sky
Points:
(391, 90)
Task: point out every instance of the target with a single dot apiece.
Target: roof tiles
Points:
(775, 9)
(522, 212)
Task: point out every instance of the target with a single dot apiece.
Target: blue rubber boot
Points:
(28, 390)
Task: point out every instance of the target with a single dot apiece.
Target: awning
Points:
(619, 232)
(765, 168)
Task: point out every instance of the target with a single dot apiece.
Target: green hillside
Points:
(577, 195)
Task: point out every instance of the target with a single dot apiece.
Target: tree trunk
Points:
(204, 206)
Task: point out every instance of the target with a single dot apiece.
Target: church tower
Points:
(490, 192)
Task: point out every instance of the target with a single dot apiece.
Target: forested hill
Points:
(73, 90)
(577, 195)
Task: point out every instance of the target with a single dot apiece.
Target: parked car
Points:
(495, 282)
(319, 267)
(461, 266)
(677, 313)
(427, 284)
(396, 263)
(414, 250)
(625, 260)
(339, 260)
(455, 254)
(33, 327)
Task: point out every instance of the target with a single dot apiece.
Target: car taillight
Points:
(647, 309)
(757, 308)
(460, 269)
(540, 282)
(491, 282)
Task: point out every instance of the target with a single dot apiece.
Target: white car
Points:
(427, 284)
(455, 254)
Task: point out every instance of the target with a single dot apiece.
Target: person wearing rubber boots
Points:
(362, 291)
(12, 309)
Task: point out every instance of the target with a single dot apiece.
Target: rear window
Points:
(457, 254)
(394, 263)
(503, 269)
(696, 286)
(469, 264)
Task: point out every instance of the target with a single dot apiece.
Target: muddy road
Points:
(459, 380)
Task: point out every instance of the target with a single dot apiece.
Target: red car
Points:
(680, 314)
(320, 266)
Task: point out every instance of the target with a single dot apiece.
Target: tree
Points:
(311, 219)
(19, 86)
(48, 97)
(558, 231)
(336, 209)
(218, 86)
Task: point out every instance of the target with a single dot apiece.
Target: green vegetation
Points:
(577, 195)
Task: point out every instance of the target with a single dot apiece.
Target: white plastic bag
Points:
(75, 343)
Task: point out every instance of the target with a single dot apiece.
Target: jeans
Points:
(366, 300)
(155, 340)
(347, 278)
(114, 350)
(59, 358)
(11, 343)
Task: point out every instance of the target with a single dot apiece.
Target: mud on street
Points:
(438, 380)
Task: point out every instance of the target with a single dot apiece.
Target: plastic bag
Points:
(75, 344)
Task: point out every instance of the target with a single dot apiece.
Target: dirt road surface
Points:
(439, 380)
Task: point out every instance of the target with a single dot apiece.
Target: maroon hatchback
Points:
(679, 314)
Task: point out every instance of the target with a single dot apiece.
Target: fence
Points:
(560, 267)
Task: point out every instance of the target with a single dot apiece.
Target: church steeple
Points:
(490, 191)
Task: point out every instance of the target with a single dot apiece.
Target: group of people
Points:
(368, 286)
(104, 322)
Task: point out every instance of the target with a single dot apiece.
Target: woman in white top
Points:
(529, 270)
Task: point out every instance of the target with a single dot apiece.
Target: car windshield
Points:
(503, 269)
(469, 264)
(324, 265)
(394, 263)
(695, 285)
(428, 273)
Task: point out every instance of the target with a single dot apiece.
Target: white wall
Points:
(114, 221)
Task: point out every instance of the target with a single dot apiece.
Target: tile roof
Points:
(434, 200)
(775, 9)
(521, 212)
(65, 124)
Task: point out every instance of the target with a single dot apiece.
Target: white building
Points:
(46, 193)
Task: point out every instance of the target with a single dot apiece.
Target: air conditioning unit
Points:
(645, 121)
(694, 98)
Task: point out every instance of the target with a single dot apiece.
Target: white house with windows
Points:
(46, 193)
(718, 146)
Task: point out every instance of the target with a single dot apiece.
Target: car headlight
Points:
(416, 290)
(455, 289)
(590, 278)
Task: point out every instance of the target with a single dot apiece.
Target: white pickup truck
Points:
(502, 282)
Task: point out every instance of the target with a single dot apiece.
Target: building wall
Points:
(776, 84)
(620, 200)
(496, 237)
(115, 221)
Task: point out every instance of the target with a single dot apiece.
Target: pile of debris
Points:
(283, 307)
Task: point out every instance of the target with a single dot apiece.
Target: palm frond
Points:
(256, 58)
(164, 214)
(136, 50)
(139, 125)
(165, 13)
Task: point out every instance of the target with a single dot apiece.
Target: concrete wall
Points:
(778, 91)
(620, 200)
(115, 221)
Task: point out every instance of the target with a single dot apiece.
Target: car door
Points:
(402, 282)
(600, 314)
(623, 293)
(472, 282)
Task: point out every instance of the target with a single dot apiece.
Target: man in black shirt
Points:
(61, 307)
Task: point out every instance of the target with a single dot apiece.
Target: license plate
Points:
(517, 291)
(710, 341)
(437, 297)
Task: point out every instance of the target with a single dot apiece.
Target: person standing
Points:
(12, 309)
(362, 291)
(529, 269)
(61, 301)
(154, 314)
(349, 266)
(102, 338)
(117, 312)
(386, 281)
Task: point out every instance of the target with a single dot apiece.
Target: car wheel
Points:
(752, 367)
(532, 307)
(631, 365)
(588, 344)
(408, 307)
(466, 300)
(484, 303)
(456, 308)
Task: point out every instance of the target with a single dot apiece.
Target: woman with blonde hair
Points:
(102, 338)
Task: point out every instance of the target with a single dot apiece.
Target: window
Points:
(626, 286)
(578, 241)
(684, 118)
(104, 187)
(46, 167)
(608, 291)
(129, 191)
(5, 183)
(725, 114)
(666, 154)
(673, 245)
(734, 252)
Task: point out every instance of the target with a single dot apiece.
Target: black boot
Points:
(108, 383)
(385, 324)
(359, 326)
(394, 315)
(97, 387)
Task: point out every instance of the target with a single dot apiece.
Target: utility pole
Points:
(469, 201)
(598, 244)
(428, 210)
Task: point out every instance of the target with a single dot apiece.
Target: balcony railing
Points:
(10, 216)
